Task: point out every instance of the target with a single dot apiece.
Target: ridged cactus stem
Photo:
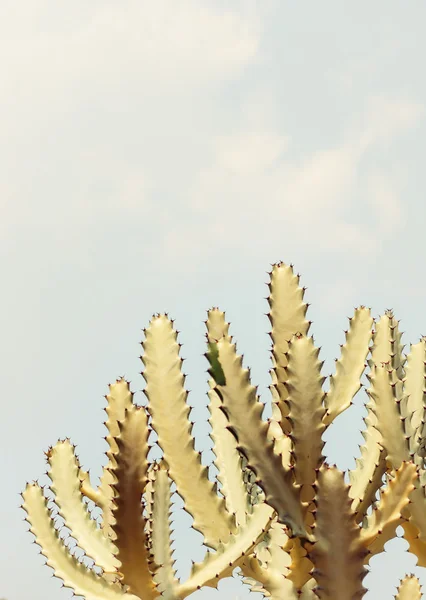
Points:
(169, 410)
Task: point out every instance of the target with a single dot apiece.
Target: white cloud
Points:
(385, 118)
(130, 43)
(249, 152)
(80, 83)
(155, 153)
(295, 199)
(385, 201)
(320, 183)
(252, 189)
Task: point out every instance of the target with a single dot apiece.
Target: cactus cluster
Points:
(281, 514)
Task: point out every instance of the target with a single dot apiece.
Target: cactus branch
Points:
(169, 411)
(345, 383)
(130, 474)
(243, 410)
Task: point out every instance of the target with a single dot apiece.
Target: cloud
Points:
(264, 187)
(385, 118)
(385, 202)
(271, 198)
(254, 189)
(249, 152)
(131, 43)
(113, 129)
(96, 95)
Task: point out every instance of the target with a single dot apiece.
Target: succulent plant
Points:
(409, 589)
(129, 555)
(282, 514)
(325, 534)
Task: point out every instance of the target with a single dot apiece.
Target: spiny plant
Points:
(282, 514)
(409, 589)
(324, 534)
(129, 555)
(398, 404)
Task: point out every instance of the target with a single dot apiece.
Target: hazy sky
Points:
(158, 156)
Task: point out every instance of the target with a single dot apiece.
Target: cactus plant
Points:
(409, 589)
(282, 515)
(325, 521)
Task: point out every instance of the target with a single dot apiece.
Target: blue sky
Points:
(158, 157)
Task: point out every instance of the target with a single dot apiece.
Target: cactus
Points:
(130, 552)
(398, 397)
(282, 514)
(327, 535)
(409, 589)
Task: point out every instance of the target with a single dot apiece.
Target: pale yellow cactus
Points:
(397, 401)
(283, 516)
(130, 553)
(329, 536)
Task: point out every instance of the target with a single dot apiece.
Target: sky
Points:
(159, 156)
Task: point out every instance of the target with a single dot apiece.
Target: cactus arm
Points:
(227, 557)
(385, 404)
(228, 462)
(370, 467)
(305, 397)
(244, 411)
(338, 553)
(169, 411)
(366, 478)
(398, 358)
(409, 589)
(387, 345)
(387, 349)
(381, 524)
(130, 473)
(412, 411)
(228, 459)
(63, 472)
(345, 383)
(119, 400)
(414, 389)
(412, 435)
(75, 575)
(287, 316)
(161, 540)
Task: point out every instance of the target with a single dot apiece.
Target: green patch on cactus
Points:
(215, 370)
